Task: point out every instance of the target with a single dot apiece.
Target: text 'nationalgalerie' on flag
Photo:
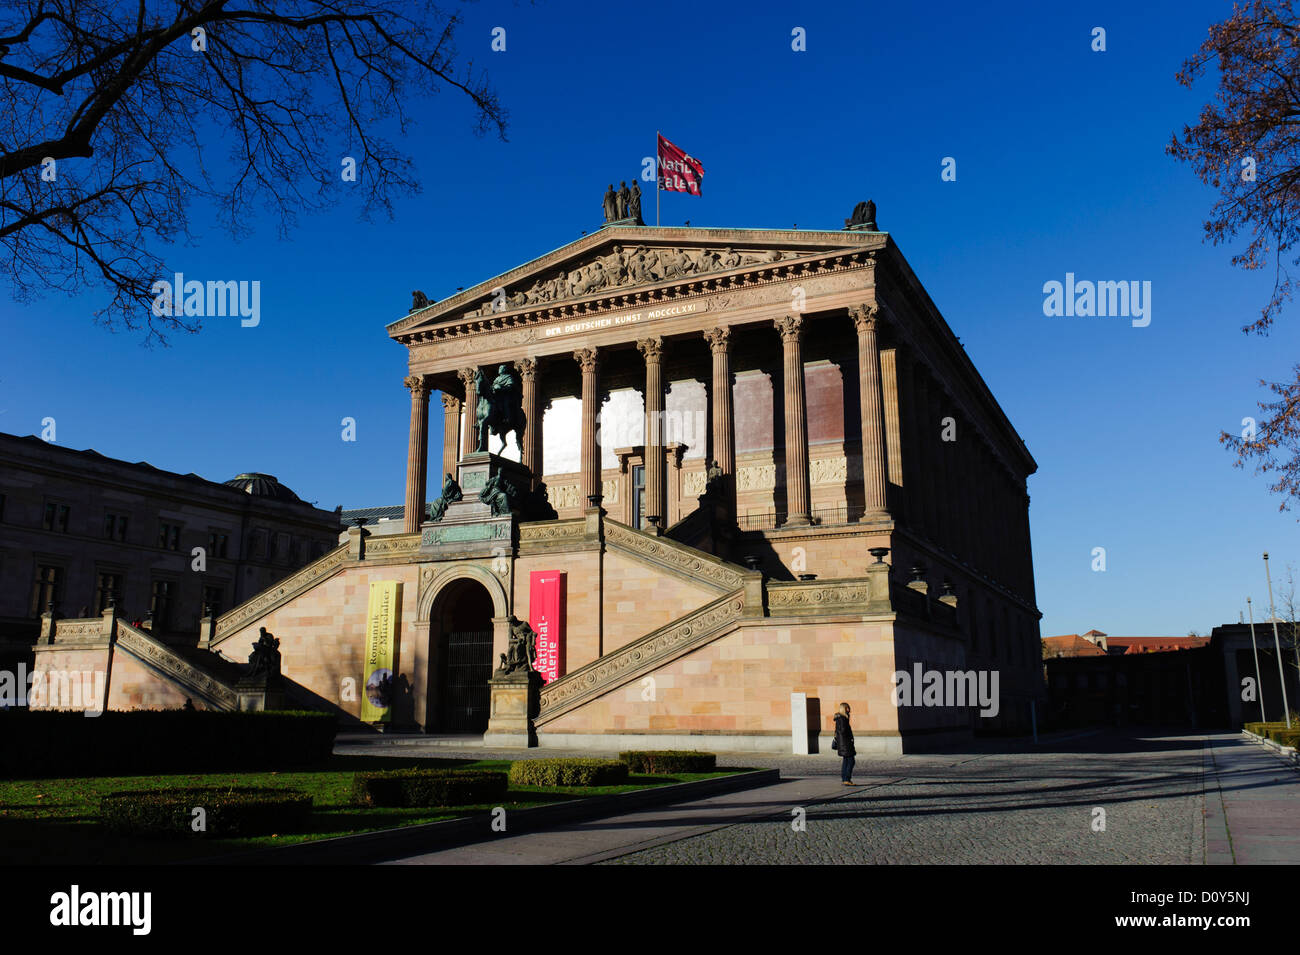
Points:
(678, 172)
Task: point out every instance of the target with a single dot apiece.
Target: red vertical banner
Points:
(546, 617)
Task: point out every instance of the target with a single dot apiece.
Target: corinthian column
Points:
(450, 433)
(723, 422)
(589, 359)
(417, 447)
(796, 420)
(927, 429)
(469, 440)
(874, 460)
(532, 438)
(656, 500)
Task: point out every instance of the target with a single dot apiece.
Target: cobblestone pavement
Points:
(993, 802)
(1030, 805)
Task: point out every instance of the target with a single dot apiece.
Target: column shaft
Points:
(875, 467)
(532, 439)
(928, 441)
(656, 502)
(469, 442)
(450, 433)
(907, 438)
(796, 421)
(723, 420)
(417, 447)
(889, 374)
(983, 550)
(591, 486)
(945, 472)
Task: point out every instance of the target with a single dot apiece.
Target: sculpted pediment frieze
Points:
(625, 267)
(614, 266)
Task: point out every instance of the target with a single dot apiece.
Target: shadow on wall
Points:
(815, 724)
(302, 698)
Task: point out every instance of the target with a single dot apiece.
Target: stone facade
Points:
(727, 422)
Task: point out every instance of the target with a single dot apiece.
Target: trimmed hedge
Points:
(1278, 734)
(1261, 729)
(169, 813)
(428, 787)
(45, 743)
(669, 761)
(567, 772)
(1285, 737)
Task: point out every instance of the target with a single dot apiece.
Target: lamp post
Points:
(1259, 683)
(1286, 707)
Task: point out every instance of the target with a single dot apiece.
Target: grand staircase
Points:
(740, 595)
(728, 593)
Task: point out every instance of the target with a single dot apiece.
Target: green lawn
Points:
(54, 821)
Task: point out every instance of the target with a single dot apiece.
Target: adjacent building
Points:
(80, 531)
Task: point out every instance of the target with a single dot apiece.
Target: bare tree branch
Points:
(112, 123)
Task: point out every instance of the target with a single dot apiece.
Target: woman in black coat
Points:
(844, 744)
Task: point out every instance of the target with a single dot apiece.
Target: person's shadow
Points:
(403, 701)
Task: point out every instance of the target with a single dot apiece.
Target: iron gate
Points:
(469, 666)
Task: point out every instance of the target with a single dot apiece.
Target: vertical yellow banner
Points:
(382, 615)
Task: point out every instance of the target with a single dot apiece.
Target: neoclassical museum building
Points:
(752, 474)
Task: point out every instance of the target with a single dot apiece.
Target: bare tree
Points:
(116, 118)
(1288, 609)
(1246, 145)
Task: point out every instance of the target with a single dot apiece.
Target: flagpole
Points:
(1286, 708)
(1259, 680)
(657, 135)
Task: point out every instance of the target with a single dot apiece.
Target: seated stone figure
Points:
(521, 651)
(264, 662)
(500, 495)
(451, 493)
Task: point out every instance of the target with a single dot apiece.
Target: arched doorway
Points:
(460, 640)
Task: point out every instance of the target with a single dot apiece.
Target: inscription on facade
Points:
(626, 318)
(465, 533)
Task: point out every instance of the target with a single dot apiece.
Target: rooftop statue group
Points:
(624, 204)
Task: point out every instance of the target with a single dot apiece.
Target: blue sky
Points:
(1060, 168)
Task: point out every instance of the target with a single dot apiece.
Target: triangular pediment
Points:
(618, 260)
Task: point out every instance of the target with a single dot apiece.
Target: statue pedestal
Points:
(475, 470)
(468, 528)
(259, 693)
(515, 701)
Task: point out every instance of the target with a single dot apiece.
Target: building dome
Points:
(262, 485)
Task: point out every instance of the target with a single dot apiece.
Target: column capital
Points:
(588, 358)
(865, 315)
(651, 348)
(719, 339)
(790, 327)
(466, 375)
(450, 403)
(418, 385)
(527, 368)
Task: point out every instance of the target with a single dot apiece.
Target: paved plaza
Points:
(1094, 797)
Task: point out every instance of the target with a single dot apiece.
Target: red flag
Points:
(678, 172)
